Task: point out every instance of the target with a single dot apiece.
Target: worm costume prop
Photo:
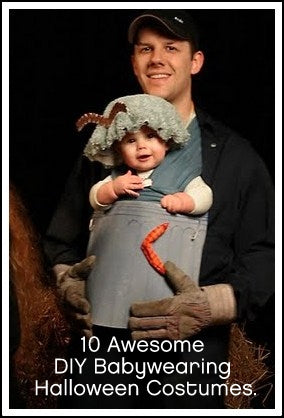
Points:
(43, 333)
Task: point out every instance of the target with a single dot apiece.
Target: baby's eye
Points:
(130, 140)
(151, 135)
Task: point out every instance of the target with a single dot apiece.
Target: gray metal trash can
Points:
(121, 274)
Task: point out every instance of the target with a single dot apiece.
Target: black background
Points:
(64, 63)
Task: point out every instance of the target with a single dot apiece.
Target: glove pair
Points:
(181, 316)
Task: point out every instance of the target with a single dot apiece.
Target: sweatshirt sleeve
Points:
(252, 273)
(239, 245)
(202, 195)
(93, 195)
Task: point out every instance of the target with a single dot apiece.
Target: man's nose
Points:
(157, 56)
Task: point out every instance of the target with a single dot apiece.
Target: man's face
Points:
(163, 66)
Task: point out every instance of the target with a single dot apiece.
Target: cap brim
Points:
(138, 21)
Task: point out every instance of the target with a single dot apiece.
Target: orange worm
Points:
(150, 254)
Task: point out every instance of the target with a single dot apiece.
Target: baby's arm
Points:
(107, 191)
(196, 199)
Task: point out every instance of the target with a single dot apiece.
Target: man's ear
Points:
(133, 62)
(197, 62)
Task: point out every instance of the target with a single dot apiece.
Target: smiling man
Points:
(165, 56)
(236, 277)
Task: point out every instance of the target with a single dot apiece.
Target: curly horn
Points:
(100, 119)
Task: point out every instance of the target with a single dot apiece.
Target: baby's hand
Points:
(127, 184)
(179, 202)
(172, 203)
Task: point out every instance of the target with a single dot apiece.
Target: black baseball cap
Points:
(177, 22)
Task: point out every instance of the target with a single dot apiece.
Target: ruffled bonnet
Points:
(129, 114)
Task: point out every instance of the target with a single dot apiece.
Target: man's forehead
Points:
(148, 35)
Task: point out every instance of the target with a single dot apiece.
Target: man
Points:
(236, 274)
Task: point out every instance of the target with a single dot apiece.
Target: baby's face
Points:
(142, 150)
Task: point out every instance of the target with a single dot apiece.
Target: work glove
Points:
(185, 314)
(71, 286)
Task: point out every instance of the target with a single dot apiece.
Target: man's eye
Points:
(130, 140)
(145, 49)
(171, 48)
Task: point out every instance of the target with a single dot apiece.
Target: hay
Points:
(248, 366)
